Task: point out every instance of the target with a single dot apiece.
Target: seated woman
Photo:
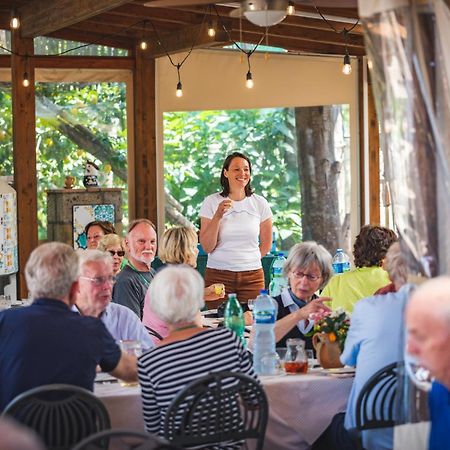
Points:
(178, 246)
(189, 351)
(113, 244)
(96, 230)
(369, 251)
(308, 269)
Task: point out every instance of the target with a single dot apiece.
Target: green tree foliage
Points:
(196, 143)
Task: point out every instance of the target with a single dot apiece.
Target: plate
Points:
(208, 312)
(104, 377)
(341, 371)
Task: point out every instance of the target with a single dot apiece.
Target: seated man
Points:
(428, 322)
(134, 279)
(46, 342)
(374, 340)
(95, 285)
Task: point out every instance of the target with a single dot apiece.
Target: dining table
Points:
(301, 406)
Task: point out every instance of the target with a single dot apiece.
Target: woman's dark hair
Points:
(106, 226)
(372, 244)
(224, 180)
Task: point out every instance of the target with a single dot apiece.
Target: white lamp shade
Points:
(265, 18)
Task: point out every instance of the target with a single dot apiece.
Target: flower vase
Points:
(328, 351)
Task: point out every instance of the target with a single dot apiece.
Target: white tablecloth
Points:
(300, 407)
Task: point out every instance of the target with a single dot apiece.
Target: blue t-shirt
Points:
(47, 343)
(439, 405)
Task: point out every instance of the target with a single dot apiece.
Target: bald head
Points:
(428, 323)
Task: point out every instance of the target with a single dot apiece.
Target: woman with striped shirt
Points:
(189, 351)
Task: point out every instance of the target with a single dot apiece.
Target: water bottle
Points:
(264, 316)
(278, 282)
(341, 261)
(273, 248)
(234, 317)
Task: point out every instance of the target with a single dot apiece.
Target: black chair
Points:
(61, 414)
(217, 411)
(376, 403)
(121, 439)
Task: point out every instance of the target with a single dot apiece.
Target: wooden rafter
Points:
(42, 17)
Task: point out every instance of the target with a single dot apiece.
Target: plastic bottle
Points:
(277, 281)
(273, 248)
(234, 316)
(341, 261)
(264, 316)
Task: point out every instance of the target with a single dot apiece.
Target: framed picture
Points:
(83, 214)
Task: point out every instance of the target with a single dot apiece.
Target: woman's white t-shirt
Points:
(237, 246)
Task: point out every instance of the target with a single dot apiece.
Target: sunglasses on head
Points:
(118, 253)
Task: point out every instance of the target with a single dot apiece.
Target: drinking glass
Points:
(130, 347)
(281, 352)
(270, 364)
(251, 303)
(295, 360)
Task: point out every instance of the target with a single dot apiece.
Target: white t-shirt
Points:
(237, 246)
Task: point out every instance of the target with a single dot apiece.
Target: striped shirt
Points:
(165, 370)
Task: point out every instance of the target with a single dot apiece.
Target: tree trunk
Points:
(318, 171)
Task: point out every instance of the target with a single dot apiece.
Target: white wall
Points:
(215, 79)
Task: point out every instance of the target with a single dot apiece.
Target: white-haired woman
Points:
(115, 246)
(189, 351)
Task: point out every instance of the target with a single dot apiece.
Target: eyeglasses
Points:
(298, 274)
(118, 253)
(99, 281)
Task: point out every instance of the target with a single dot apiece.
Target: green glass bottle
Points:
(234, 316)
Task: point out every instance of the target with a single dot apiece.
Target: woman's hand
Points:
(214, 292)
(248, 318)
(314, 306)
(223, 207)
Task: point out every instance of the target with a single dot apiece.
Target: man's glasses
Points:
(99, 281)
(298, 274)
(118, 253)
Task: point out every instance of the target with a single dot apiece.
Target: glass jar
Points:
(295, 360)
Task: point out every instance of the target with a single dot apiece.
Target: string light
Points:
(14, 22)
(25, 80)
(179, 91)
(249, 78)
(347, 67)
(143, 44)
(211, 30)
(291, 8)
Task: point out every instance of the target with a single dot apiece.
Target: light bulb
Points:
(249, 82)
(25, 81)
(370, 64)
(15, 23)
(143, 45)
(291, 9)
(211, 31)
(347, 67)
(179, 92)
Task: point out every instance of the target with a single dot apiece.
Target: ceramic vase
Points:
(328, 351)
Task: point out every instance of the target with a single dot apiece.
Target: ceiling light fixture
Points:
(265, 13)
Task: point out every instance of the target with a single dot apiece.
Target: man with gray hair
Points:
(95, 285)
(134, 279)
(428, 323)
(46, 342)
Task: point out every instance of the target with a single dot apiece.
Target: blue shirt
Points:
(374, 340)
(47, 343)
(439, 405)
(123, 324)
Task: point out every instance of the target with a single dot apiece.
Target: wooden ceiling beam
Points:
(93, 38)
(41, 17)
(185, 39)
(299, 45)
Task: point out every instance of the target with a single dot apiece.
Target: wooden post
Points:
(24, 151)
(144, 194)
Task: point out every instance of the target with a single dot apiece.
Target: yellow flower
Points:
(331, 337)
(107, 168)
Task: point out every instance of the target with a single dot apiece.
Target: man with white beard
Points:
(134, 279)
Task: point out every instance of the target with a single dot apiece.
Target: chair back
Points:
(376, 404)
(61, 414)
(222, 408)
(121, 439)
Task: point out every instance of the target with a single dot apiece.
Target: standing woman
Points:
(236, 231)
